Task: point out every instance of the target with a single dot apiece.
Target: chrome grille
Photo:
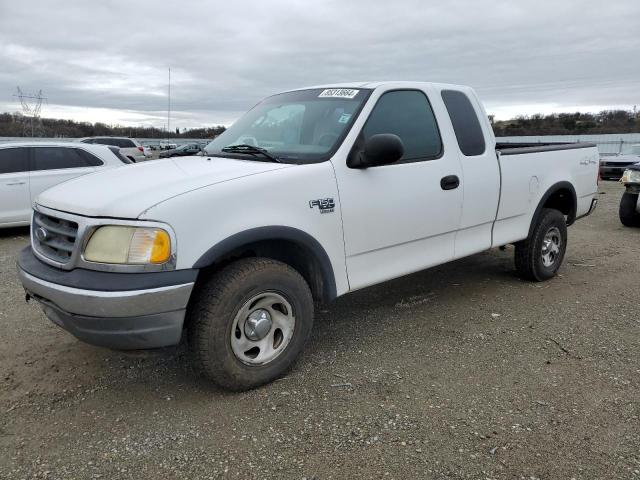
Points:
(53, 237)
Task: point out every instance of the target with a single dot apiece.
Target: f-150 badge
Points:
(325, 205)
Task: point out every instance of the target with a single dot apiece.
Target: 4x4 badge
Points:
(325, 205)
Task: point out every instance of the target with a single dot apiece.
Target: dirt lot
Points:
(463, 371)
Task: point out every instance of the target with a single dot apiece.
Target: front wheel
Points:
(539, 257)
(628, 211)
(249, 322)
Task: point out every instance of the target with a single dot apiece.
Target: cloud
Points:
(108, 61)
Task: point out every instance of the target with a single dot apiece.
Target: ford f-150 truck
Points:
(312, 194)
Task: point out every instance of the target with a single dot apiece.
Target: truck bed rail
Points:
(520, 148)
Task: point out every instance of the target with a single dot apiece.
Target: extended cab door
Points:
(481, 189)
(402, 217)
(15, 205)
(53, 165)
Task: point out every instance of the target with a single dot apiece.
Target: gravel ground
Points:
(462, 371)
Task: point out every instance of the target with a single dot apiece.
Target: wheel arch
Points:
(560, 196)
(290, 245)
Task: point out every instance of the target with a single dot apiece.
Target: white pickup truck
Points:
(312, 194)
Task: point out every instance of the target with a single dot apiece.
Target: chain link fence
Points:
(608, 144)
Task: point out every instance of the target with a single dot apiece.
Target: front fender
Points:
(285, 202)
(270, 233)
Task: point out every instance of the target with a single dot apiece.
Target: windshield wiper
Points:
(251, 150)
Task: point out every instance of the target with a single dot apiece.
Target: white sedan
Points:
(29, 168)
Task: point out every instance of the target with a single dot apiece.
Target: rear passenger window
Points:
(124, 143)
(53, 158)
(407, 114)
(122, 158)
(13, 160)
(90, 159)
(106, 141)
(465, 122)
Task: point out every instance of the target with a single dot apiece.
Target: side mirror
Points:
(380, 149)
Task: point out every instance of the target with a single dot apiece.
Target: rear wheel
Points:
(628, 212)
(249, 322)
(539, 257)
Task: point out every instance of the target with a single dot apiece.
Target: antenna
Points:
(31, 107)
(169, 109)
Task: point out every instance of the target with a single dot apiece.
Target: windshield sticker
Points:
(344, 118)
(338, 93)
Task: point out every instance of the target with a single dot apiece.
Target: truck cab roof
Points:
(389, 83)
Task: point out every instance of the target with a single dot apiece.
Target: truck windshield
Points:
(304, 126)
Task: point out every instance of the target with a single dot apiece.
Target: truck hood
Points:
(128, 191)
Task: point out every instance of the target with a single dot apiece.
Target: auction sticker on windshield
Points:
(338, 93)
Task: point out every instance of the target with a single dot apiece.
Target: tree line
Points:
(17, 125)
(607, 121)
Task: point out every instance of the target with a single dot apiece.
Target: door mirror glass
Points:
(380, 149)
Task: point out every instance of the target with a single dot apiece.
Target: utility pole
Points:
(169, 109)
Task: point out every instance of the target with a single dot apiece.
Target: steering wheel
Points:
(248, 140)
(327, 139)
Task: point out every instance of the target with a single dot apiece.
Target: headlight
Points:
(128, 245)
(630, 176)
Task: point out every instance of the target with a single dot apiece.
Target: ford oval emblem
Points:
(42, 234)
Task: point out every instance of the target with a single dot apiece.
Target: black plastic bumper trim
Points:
(131, 333)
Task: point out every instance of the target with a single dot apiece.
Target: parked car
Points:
(28, 168)
(629, 211)
(129, 147)
(613, 166)
(312, 194)
(182, 151)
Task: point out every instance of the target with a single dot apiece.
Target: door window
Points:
(124, 143)
(107, 141)
(13, 160)
(53, 158)
(407, 114)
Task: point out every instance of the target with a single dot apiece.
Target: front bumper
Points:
(633, 188)
(612, 172)
(145, 311)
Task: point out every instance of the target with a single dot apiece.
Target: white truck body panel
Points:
(147, 184)
(396, 218)
(526, 178)
(481, 190)
(278, 197)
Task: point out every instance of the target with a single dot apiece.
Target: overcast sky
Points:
(107, 60)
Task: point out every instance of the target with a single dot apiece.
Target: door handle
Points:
(449, 182)
(16, 183)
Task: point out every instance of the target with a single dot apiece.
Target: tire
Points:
(628, 210)
(530, 259)
(219, 322)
